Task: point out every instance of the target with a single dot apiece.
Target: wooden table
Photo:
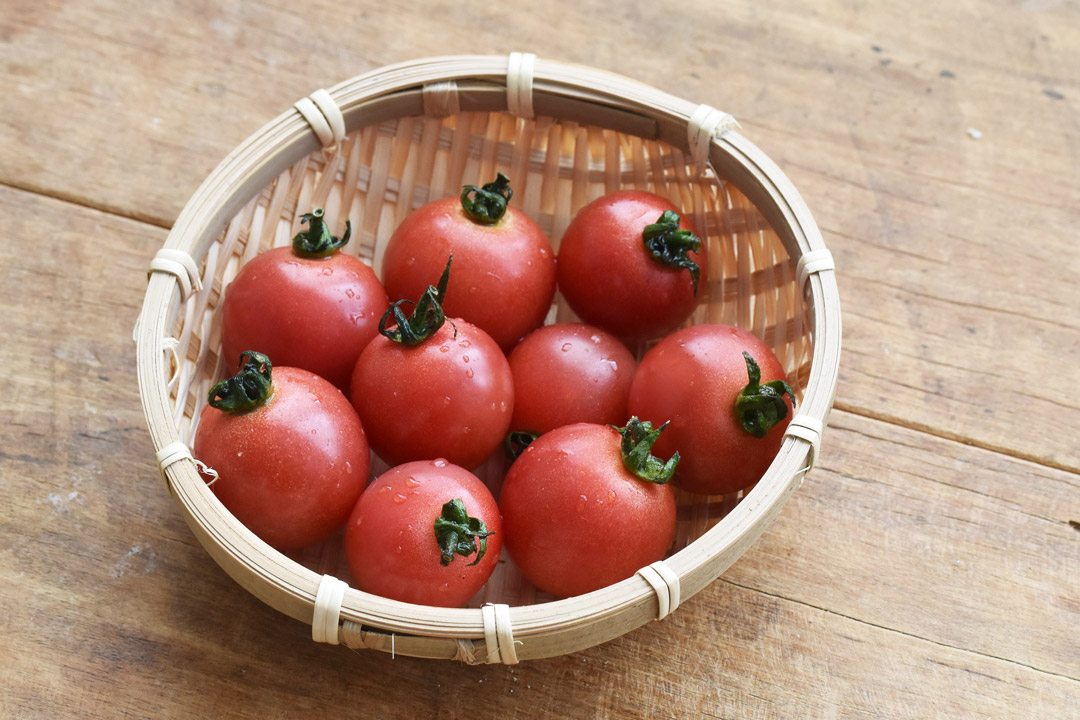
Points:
(927, 568)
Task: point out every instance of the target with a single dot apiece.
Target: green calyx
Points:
(247, 389)
(760, 407)
(486, 205)
(638, 437)
(670, 245)
(516, 442)
(427, 316)
(459, 534)
(316, 241)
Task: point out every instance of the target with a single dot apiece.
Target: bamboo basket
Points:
(375, 147)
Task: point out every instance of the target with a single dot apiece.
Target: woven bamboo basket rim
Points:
(568, 93)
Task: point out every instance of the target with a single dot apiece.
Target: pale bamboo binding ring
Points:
(324, 116)
(327, 617)
(809, 429)
(665, 582)
(180, 265)
(519, 84)
(441, 99)
(706, 123)
(813, 262)
(498, 634)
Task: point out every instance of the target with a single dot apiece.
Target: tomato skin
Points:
(312, 313)
(292, 469)
(504, 274)
(390, 537)
(449, 397)
(610, 279)
(692, 378)
(569, 373)
(575, 519)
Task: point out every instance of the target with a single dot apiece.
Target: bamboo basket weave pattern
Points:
(373, 149)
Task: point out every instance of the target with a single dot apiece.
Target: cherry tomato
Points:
(694, 378)
(451, 397)
(290, 467)
(630, 264)
(504, 267)
(396, 547)
(576, 519)
(315, 313)
(569, 373)
(429, 388)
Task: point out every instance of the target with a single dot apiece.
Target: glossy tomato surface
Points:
(569, 373)
(575, 519)
(452, 396)
(390, 537)
(610, 279)
(504, 274)
(313, 313)
(292, 469)
(693, 378)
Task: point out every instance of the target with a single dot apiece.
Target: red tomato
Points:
(315, 313)
(569, 373)
(451, 396)
(693, 378)
(292, 468)
(611, 279)
(391, 543)
(504, 272)
(575, 518)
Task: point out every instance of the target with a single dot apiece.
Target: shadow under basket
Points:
(374, 148)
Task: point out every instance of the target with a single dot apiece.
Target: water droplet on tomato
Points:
(466, 429)
(465, 358)
(439, 462)
(356, 317)
(566, 347)
(611, 497)
(385, 489)
(582, 504)
(444, 348)
(328, 271)
(348, 467)
(446, 400)
(595, 339)
(412, 482)
(314, 431)
(399, 498)
(465, 344)
(350, 292)
(240, 454)
(614, 365)
(469, 373)
(410, 262)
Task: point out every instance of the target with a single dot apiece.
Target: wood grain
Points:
(852, 605)
(966, 241)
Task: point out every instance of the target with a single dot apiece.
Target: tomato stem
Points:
(316, 241)
(427, 316)
(669, 245)
(248, 389)
(516, 442)
(638, 438)
(760, 407)
(486, 205)
(459, 534)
